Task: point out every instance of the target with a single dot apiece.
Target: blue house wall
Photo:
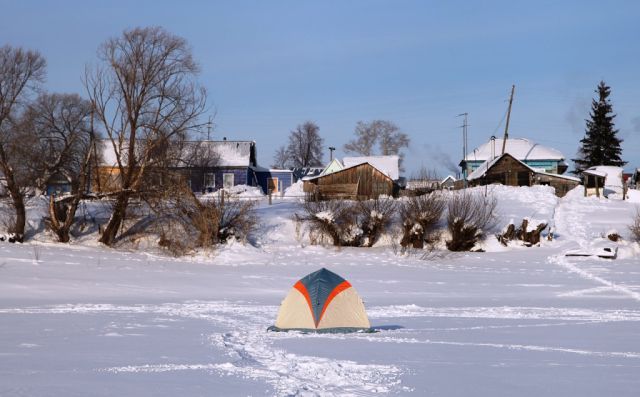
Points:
(285, 179)
(548, 165)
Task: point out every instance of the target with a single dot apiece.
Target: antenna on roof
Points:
(331, 149)
(506, 127)
(209, 124)
(464, 146)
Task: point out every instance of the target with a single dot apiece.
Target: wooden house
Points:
(530, 153)
(507, 170)
(361, 181)
(206, 166)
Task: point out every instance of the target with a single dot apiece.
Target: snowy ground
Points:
(88, 321)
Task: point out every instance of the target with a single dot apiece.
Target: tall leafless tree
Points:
(21, 73)
(281, 158)
(145, 97)
(365, 140)
(305, 146)
(385, 134)
(59, 125)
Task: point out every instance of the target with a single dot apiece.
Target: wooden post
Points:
(597, 190)
(270, 194)
(506, 127)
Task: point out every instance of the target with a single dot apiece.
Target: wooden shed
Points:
(509, 171)
(362, 181)
(504, 169)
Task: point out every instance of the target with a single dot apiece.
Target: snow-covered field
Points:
(80, 320)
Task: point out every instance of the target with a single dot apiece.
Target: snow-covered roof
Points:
(613, 175)
(311, 178)
(258, 168)
(484, 167)
(388, 165)
(567, 177)
(223, 153)
(449, 177)
(231, 153)
(520, 148)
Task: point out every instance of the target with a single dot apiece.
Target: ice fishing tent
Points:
(322, 301)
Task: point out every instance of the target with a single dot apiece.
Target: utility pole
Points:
(209, 123)
(506, 126)
(331, 149)
(464, 127)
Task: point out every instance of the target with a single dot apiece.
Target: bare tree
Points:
(385, 134)
(281, 159)
(365, 141)
(63, 145)
(305, 146)
(21, 73)
(145, 97)
(59, 127)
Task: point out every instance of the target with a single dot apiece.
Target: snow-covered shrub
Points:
(635, 227)
(187, 223)
(375, 217)
(333, 219)
(220, 220)
(420, 216)
(468, 216)
(349, 223)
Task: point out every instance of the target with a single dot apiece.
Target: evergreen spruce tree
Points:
(600, 145)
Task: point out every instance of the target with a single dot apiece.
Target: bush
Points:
(187, 223)
(349, 223)
(374, 217)
(219, 220)
(420, 216)
(635, 227)
(468, 216)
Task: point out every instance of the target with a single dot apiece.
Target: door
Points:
(272, 185)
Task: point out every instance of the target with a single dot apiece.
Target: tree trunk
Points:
(117, 217)
(17, 200)
(61, 217)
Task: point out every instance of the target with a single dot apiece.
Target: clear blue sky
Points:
(270, 65)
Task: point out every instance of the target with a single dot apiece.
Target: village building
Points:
(603, 180)
(448, 183)
(509, 171)
(206, 167)
(358, 182)
(538, 157)
(389, 165)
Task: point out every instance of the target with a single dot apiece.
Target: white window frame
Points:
(225, 180)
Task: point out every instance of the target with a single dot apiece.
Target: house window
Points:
(227, 181)
(209, 180)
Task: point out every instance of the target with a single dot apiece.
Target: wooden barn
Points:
(507, 170)
(504, 169)
(360, 182)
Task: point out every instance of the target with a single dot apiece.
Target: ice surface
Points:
(79, 319)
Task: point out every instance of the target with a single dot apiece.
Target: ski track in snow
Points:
(252, 353)
(562, 261)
